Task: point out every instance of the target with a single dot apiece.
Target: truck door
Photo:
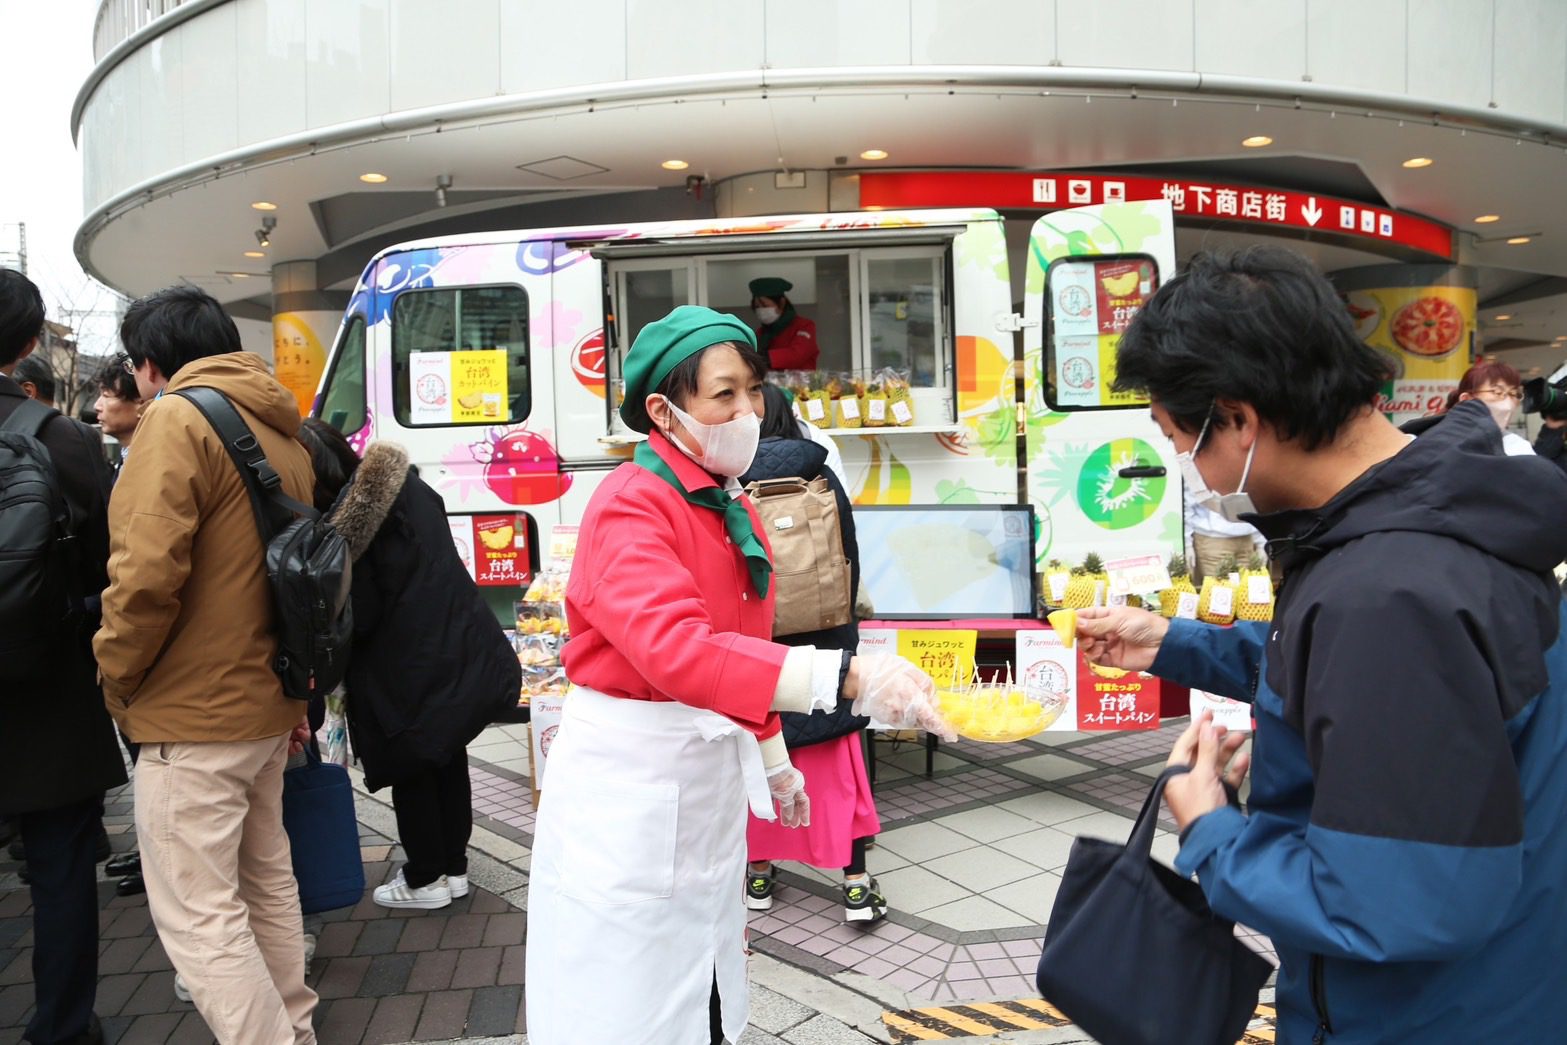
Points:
(1101, 476)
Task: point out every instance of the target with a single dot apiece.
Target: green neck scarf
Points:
(764, 337)
(737, 521)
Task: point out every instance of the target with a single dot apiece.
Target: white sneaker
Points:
(181, 991)
(458, 885)
(398, 893)
(310, 948)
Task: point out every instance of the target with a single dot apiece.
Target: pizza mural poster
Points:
(1427, 333)
(1041, 661)
(457, 387)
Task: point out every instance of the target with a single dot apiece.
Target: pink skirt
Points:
(841, 808)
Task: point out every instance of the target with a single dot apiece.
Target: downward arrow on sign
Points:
(1311, 212)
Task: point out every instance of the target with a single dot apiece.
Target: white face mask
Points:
(1502, 413)
(1230, 505)
(768, 315)
(727, 449)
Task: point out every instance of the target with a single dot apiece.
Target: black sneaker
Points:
(863, 903)
(759, 890)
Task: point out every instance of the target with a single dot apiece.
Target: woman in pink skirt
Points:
(824, 746)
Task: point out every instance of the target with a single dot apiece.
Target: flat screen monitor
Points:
(939, 562)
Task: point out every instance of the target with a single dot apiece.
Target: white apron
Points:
(635, 891)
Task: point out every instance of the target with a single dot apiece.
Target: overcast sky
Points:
(48, 57)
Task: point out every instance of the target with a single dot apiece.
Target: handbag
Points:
(810, 571)
(323, 834)
(1134, 955)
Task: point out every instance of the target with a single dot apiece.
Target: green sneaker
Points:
(759, 890)
(862, 902)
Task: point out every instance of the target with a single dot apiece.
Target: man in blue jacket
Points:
(1405, 844)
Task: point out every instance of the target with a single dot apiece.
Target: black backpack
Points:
(36, 554)
(308, 562)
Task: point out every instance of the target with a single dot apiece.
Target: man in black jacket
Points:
(57, 749)
(1551, 443)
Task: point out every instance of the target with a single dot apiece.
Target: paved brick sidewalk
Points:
(383, 976)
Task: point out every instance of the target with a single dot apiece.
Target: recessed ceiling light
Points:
(1504, 317)
(873, 207)
(1256, 141)
(372, 178)
(263, 205)
(255, 254)
(240, 275)
(1519, 239)
(674, 165)
(874, 154)
(1419, 161)
(1486, 219)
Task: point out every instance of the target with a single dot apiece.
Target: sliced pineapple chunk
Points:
(1065, 623)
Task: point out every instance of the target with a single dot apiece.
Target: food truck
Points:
(495, 359)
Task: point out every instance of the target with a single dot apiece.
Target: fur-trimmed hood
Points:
(364, 504)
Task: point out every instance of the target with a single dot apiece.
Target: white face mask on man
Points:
(726, 449)
(1230, 505)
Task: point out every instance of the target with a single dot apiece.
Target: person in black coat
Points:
(430, 665)
(57, 749)
(841, 801)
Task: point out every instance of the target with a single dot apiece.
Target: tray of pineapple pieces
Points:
(998, 711)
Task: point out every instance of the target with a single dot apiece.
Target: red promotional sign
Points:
(500, 545)
(1024, 190)
(1105, 703)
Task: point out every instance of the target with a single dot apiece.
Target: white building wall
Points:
(239, 74)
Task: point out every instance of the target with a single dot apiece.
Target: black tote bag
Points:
(1133, 954)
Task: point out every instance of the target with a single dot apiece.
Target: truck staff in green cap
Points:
(787, 338)
(635, 917)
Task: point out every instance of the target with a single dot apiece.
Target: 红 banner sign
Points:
(1024, 190)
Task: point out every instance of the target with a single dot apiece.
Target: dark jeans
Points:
(60, 858)
(434, 820)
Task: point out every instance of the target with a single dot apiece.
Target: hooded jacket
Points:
(57, 745)
(784, 458)
(431, 666)
(1406, 837)
(187, 641)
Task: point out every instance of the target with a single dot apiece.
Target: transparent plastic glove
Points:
(894, 691)
(788, 787)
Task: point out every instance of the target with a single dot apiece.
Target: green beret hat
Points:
(664, 345)
(770, 287)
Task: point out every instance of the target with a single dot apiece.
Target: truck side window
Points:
(343, 404)
(460, 356)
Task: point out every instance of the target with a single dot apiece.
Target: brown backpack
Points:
(810, 571)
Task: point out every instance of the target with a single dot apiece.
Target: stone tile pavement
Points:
(969, 859)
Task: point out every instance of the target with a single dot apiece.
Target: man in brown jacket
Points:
(186, 652)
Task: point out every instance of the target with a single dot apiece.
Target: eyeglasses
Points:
(128, 366)
(1515, 394)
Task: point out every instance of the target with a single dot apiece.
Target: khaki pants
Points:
(220, 885)
(1208, 552)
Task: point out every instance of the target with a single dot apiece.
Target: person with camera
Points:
(1406, 831)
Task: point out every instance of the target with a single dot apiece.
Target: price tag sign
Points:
(1186, 605)
(1221, 600)
(1259, 590)
(1139, 575)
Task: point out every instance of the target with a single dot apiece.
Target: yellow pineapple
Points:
(1245, 609)
(1086, 587)
(1180, 581)
(1213, 607)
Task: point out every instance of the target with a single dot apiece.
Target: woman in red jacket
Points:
(671, 729)
(787, 339)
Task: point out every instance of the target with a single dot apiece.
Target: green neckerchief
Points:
(737, 521)
(764, 337)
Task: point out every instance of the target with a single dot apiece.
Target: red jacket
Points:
(660, 603)
(794, 347)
